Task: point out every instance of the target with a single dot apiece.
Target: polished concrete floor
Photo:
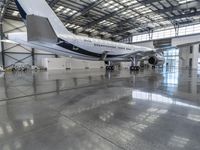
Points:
(98, 110)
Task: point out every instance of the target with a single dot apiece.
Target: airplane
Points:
(45, 31)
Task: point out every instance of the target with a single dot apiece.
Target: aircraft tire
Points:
(134, 68)
(109, 67)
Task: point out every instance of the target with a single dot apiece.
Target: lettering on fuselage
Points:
(113, 47)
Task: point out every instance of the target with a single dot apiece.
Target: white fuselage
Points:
(82, 47)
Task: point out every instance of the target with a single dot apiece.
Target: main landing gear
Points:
(109, 66)
(133, 67)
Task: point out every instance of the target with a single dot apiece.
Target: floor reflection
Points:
(154, 97)
(94, 109)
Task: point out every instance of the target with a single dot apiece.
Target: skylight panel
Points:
(129, 14)
(72, 26)
(146, 11)
(165, 22)
(59, 8)
(140, 7)
(143, 9)
(66, 11)
(131, 2)
(15, 13)
(90, 30)
(106, 23)
(113, 6)
(108, 3)
(184, 1)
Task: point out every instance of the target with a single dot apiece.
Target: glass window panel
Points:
(189, 30)
(182, 31)
(169, 33)
(172, 32)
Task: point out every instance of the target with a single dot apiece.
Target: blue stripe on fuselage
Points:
(21, 10)
(79, 50)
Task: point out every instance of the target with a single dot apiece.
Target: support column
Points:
(195, 56)
(150, 32)
(176, 27)
(194, 79)
(33, 56)
(194, 82)
(184, 57)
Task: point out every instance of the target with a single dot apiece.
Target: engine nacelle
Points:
(156, 60)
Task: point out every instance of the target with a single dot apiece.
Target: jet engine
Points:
(156, 60)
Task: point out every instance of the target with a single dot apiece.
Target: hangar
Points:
(99, 74)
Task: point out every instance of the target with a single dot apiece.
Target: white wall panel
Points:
(83, 64)
(70, 63)
(55, 63)
(185, 56)
(185, 40)
(39, 59)
(13, 26)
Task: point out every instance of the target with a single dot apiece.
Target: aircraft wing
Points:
(140, 54)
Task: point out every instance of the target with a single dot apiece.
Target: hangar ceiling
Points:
(118, 19)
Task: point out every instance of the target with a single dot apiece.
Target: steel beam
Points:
(2, 46)
(131, 21)
(29, 53)
(168, 9)
(147, 1)
(84, 10)
(6, 3)
(53, 3)
(17, 61)
(108, 16)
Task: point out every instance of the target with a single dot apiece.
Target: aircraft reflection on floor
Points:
(170, 81)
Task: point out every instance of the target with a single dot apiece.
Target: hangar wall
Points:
(14, 53)
(176, 41)
(183, 44)
(186, 56)
(186, 40)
